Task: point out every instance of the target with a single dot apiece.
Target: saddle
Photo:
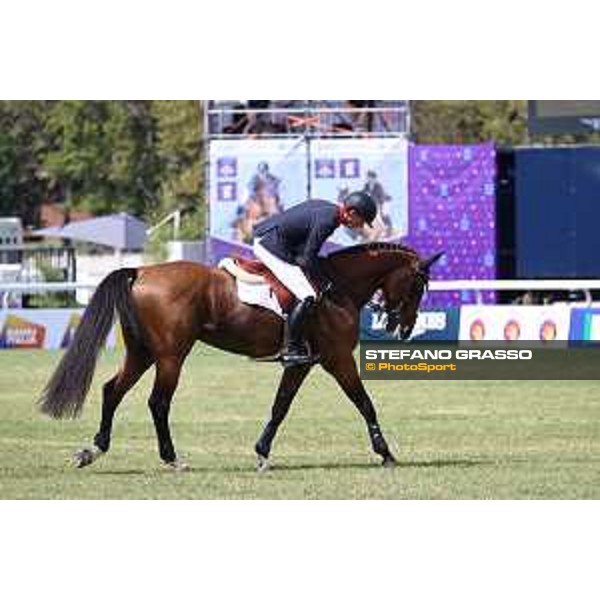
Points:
(255, 272)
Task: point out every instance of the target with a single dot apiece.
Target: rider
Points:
(289, 242)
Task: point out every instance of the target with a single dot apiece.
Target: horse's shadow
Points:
(328, 466)
(403, 464)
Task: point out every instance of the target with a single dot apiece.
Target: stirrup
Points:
(294, 356)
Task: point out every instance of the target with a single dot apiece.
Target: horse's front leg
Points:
(345, 372)
(291, 381)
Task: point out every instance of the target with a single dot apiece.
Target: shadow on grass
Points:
(364, 466)
(376, 466)
(438, 464)
(115, 472)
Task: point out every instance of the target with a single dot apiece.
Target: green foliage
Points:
(142, 157)
(179, 147)
(179, 151)
(104, 155)
(155, 248)
(193, 225)
(503, 122)
(469, 121)
(146, 157)
(23, 141)
(191, 229)
(64, 299)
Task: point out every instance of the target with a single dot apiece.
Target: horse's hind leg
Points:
(165, 383)
(291, 381)
(113, 392)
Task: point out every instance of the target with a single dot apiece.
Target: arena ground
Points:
(454, 440)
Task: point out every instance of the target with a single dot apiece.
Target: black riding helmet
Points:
(363, 204)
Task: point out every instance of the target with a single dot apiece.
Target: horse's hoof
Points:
(85, 457)
(389, 462)
(177, 466)
(262, 463)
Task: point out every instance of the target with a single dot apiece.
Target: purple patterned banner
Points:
(450, 201)
(452, 208)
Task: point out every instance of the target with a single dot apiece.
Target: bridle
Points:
(394, 315)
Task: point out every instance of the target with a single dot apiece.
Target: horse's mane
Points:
(372, 247)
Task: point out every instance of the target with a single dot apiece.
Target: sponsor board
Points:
(18, 332)
(430, 325)
(49, 329)
(514, 323)
(585, 324)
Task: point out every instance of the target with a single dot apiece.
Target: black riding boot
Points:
(296, 352)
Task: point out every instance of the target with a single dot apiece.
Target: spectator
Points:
(361, 121)
(259, 122)
(239, 122)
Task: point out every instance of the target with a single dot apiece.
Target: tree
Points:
(142, 157)
(146, 157)
(103, 155)
(179, 149)
(469, 121)
(503, 122)
(23, 142)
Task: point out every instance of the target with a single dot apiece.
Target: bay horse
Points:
(165, 308)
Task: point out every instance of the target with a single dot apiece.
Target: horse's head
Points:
(403, 289)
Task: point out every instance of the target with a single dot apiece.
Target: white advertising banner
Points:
(379, 166)
(524, 323)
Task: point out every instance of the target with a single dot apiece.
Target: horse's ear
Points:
(426, 264)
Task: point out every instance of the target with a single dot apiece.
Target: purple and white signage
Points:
(251, 180)
(379, 166)
(431, 198)
(452, 208)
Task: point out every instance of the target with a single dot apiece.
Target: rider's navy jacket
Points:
(297, 234)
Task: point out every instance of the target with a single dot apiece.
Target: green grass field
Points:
(454, 440)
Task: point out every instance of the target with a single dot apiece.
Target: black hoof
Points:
(262, 463)
(389, 462)
(261, 450)
(84, 458)
(177, 466)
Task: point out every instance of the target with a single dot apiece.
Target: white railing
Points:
(7, 290)
(313, 119)
(514, 284)
(435, 286)
(42, 288)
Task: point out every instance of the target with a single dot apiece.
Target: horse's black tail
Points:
(65, 393)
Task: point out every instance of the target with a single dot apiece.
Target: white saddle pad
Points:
(257, 294)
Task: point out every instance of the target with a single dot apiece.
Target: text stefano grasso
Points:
(498, 354)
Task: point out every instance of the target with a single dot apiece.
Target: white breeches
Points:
(290, 275)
